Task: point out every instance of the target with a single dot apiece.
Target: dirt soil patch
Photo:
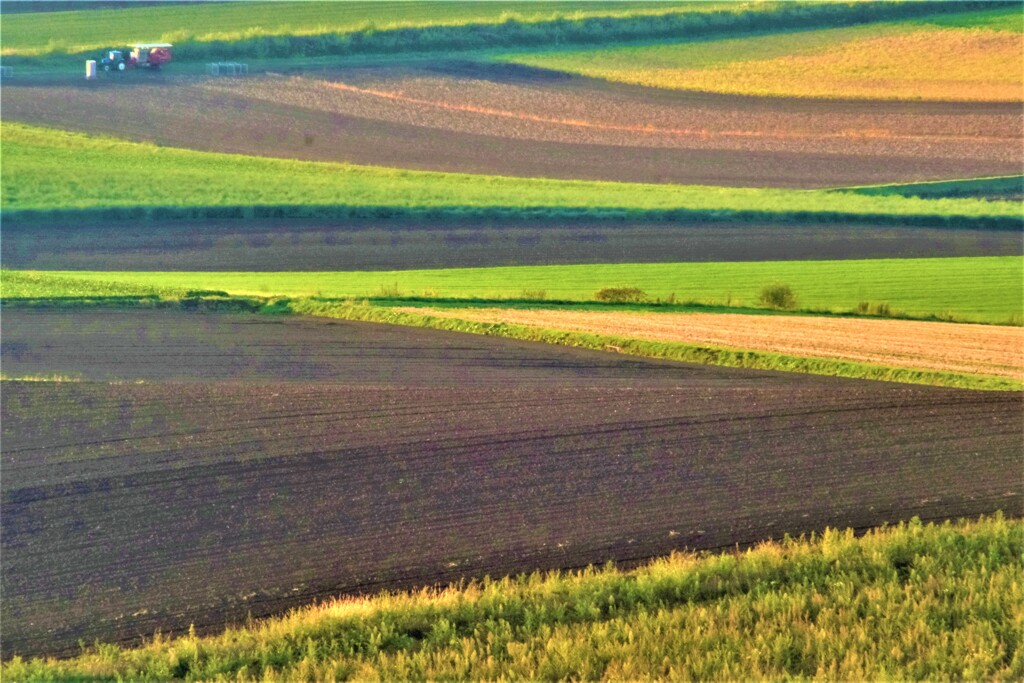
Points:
(459, 117)
(264, 463)
(950, 347)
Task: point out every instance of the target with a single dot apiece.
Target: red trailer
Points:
(151, 55)
(139, 56)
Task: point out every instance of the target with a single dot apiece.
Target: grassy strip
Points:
(942, 599)
(1000, 186)
(46, 169)
(315, 29)
(676, 351)
(976, 289)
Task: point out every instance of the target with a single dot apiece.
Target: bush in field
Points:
(534, 294)
(779, 296)
(869, 308)
(621, 295)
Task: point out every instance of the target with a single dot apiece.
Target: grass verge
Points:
(912, 601)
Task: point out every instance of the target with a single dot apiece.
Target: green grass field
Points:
(37, 33)
(967, 56)
(914, 601)
(51, 169)
(985, 289)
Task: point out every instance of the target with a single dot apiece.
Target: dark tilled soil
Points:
(734, 141)
(276, 245)
(267, 462)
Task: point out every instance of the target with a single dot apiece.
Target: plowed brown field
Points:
(496, 119)
(978, 349)
(264, 463)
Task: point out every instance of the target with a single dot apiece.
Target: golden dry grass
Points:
(949, 64)
(948, 347)
(964, 65)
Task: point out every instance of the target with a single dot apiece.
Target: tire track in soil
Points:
(201, 497)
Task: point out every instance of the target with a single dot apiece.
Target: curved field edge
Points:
(911, 59)
(989, 350)
(361, 28)
(676, 351)
(46, 169)
(942, 597)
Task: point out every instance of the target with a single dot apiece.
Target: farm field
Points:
(271, 245)
(47, 169)
(975, 349)
(439, 292)
(612, 622)
(965, 58)
(629, 639)
(28, 34)
(965, 289)
(299, 418)
(469, 116)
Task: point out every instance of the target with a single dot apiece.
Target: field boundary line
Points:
(700, 354)
(677, 351)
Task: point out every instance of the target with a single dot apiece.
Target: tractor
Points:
(139, 56)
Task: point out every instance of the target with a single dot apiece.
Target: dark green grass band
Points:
(999, 186)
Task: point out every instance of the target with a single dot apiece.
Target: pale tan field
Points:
(948, 347)
(961, 64)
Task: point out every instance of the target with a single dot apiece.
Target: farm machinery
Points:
(138, 56)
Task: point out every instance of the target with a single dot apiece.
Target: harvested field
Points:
(949, 347)
(465, 116)
(904, 60)
(365, 457)
(296, 245)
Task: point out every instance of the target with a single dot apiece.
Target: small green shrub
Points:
(386, 290)
(879, 309)
(534, 294)
(778, 296)
(622, 295)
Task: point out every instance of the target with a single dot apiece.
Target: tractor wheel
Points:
(120, 66)
(106, 67)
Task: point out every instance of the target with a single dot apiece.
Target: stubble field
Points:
(977, 349)
(964, 58)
